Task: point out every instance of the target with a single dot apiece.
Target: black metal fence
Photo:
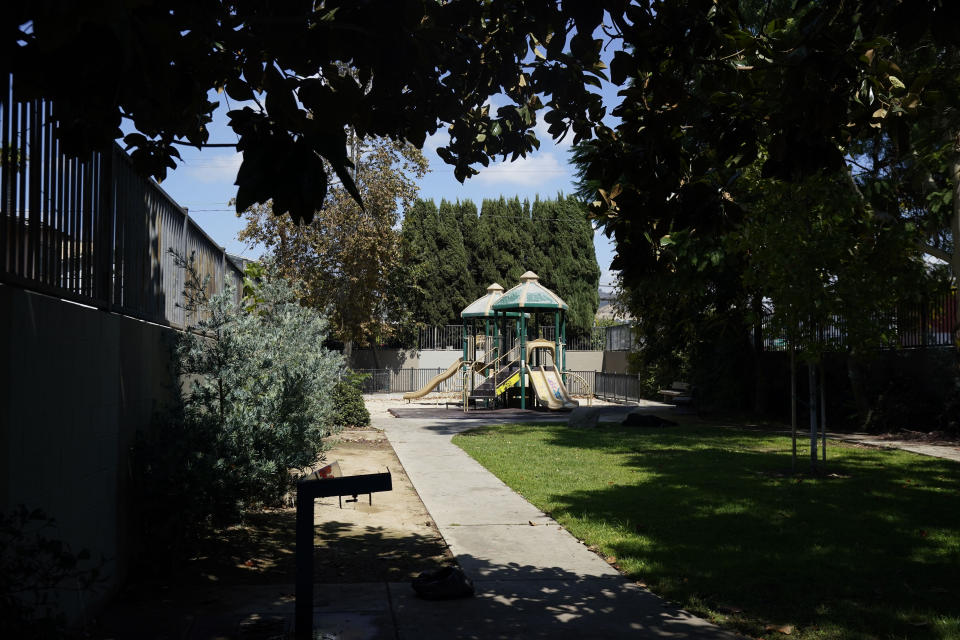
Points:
(930, 323)
(615, 338)
(404, 380)
(619, 387)
(91, 229)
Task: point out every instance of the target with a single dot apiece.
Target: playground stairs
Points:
(497, 383)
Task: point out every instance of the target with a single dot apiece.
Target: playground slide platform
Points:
(550, 389)
(434, 382)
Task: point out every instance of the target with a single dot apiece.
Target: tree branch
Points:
(936, 252)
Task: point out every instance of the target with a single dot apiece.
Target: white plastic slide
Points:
(434, 381)
(550, 389)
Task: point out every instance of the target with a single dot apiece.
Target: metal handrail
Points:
(585, 384)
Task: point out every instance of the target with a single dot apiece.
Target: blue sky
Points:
(203, 183)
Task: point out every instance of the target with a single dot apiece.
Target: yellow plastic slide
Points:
(549, 388)
(434, 382)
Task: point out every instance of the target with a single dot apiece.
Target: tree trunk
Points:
(812, 395)
(793, 407)
(823, 410)
(955, 234)
(758, 395)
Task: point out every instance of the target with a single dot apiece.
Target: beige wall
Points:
(614, 361)
(385, 359)
(585, 360)
(75, 384)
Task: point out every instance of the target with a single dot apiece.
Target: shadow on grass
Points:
(713, 519)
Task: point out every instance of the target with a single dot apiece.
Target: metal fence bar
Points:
(930, 323)
(91, 229)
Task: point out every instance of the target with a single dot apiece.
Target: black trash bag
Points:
(443, 584)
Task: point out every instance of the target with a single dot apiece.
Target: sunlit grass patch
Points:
(712, 518)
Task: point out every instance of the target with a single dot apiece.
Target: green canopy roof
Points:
(529, 294)
(483, 307)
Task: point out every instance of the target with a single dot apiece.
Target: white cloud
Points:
(436, 140)
(534, 170)
(215, 168)
(541, 129)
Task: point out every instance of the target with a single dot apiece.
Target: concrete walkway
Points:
(533, 579)
(935, 450)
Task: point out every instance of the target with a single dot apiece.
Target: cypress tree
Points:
(575, 274)
(470, 230)
(493, 214)
(540, 261)
(455, 285)
(453, 254)
(418, 242)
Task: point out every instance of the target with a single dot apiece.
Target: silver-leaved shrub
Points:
(257, 402)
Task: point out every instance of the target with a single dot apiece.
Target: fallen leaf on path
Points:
(532, 523)
(786, 629)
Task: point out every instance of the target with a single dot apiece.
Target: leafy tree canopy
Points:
(307, 73)
(713, 89)
(347, 258)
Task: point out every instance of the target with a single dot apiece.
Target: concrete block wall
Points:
(75, 385)
(385, 359)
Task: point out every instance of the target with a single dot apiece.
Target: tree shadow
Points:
(526, 601)
(871, 545)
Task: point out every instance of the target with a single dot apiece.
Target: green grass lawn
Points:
(711, 518)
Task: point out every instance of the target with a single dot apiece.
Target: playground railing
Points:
(578, 387)
(617, 387)
(404, 380)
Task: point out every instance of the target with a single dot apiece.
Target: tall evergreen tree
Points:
(455, 284)
(470, 230)
(418, 242)
(540, 261)
(492, 216)
(454, 255)
(574, 272)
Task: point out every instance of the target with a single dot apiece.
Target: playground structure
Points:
(500, 366)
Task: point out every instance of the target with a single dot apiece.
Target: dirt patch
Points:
(393, 538)
(388, 536)
(251, 566)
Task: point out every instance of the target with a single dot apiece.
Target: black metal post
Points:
(303, 614)
(309, 488)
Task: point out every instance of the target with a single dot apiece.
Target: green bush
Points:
(35, 571)
(349, 409)
(258, 404)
